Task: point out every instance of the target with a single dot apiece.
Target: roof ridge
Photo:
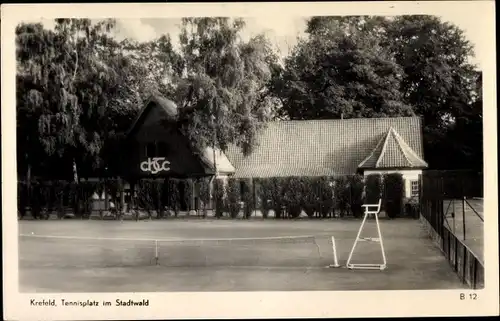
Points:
(343, 120)
(407, 149)
(371, 153)
(384, 148)
(400, 142)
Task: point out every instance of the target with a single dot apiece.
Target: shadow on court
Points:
(211, 255)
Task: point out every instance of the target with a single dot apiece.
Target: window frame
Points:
(414, 192)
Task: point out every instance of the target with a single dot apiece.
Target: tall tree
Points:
(157, 66)
(222, 88)
(341, 70)
(439, 82)
(68, 78)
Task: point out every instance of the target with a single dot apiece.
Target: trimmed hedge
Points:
(293, 188)
(172, 196)
(233, 197)
(394, 193)
(316, 196)
(188, 193)
(356, 189)
(373, 188)
(204, 194)
(265, 195)
(326, 201)
(147, 197)
(311, 196)
(46, 197)
(277, 193)
(247, 197)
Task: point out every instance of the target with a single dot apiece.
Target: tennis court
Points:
(467, 222)
(220, 255)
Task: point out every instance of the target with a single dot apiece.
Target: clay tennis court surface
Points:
(467, 223)
(270, 255)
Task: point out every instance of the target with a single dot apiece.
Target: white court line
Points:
(168, 240)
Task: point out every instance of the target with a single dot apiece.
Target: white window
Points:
(414, 185)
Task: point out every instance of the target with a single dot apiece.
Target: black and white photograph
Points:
(224, 153)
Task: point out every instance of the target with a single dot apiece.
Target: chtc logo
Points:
(155, 165)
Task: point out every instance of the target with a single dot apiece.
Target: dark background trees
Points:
(385, 67)
(78, 88)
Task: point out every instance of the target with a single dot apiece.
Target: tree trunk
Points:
(28, 176)
(75, 171)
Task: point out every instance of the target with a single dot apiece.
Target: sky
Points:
(282, 32)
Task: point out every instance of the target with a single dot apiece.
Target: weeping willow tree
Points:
(222, 87)
(71, 93)
(78, 89)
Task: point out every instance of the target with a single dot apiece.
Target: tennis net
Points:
(290, 251)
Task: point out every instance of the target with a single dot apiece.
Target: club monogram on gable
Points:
(155, 165)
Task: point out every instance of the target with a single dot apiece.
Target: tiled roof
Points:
(224, 166)
(325, 147)
(166, 105)
(392, 152)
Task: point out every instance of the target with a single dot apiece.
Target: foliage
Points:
(311, 196)
(293, 193)
(204, 193)
(373, 188)
(412, 207)
(222, 88)
(340, 73)
(188, 192)
(44, 197)
(146, 194)
(172, 195)
(342, 191)
(394, 193)
(443, 87)
(70, 83)
(356, 186)
(276, 193)
(265, 195)
(326, 201)
(233, 197)
(85, 190)
(364, 66)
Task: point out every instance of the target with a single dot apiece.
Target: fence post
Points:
(464, 263)
(474, 273)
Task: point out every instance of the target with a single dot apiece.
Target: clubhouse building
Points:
(156, 148)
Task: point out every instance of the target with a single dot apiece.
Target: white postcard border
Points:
(252, 304)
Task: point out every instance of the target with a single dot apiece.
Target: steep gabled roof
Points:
(392, 152)
(166, 106)
(324, 147)
(166, 110)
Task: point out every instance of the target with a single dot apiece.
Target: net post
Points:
(156, 251)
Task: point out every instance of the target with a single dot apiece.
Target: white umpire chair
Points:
(370, 210)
